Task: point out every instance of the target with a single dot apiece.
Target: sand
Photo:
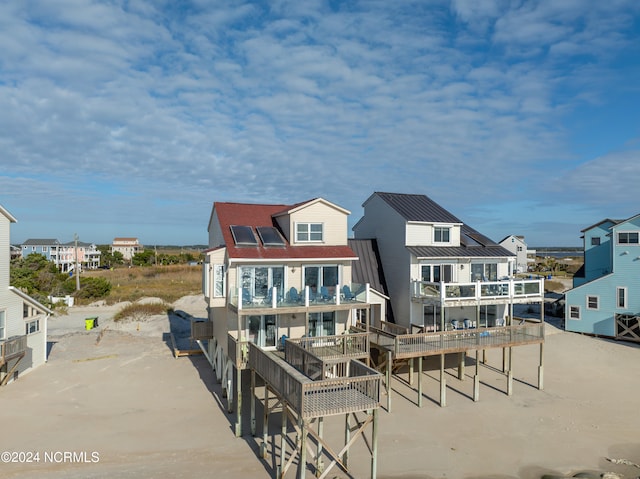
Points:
(118, 404)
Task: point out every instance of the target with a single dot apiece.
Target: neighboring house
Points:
(64, 256)
(517, 246)
(46, 247)
(439, 271)
(16, 251)
(605, 299)
(275, 272)
(23, 320)
(87, 255)
(127, 246)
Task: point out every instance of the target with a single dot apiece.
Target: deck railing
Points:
(355, 346)
(430, 343)
(478, 291)
(12, 347)
(238, 352)
(279, 298)
(201, 330)
(353, 387)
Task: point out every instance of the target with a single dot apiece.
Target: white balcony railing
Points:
(478, 291)
(277, 298)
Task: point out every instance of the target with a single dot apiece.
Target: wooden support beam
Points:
(411, 372)
(347, 438)
(319, 463)
(265, 423)
(419, 381)
(476, 378)
(541, 368)
(388, 379)
(302, 467)
(283, 442)
(238, 376)
(461, 360)
(443, 383)
(253, 402)
(374, 442)
(510, 374)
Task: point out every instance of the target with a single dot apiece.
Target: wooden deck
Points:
(12, 348)
(404, 346)
(356, 387)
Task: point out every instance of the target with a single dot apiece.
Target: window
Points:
(2, 324)
(258, 280)
(436, 273)
(621, 297)
(218, 281)
(592, 302)
(318, 276)
(595, 241)
(441, 234)
(263, 330)
(574, 312)
(322, 324)
(308, 232)
(519, 248)
(484, 272)
(628, 237)
(44, 248)
(32, 327)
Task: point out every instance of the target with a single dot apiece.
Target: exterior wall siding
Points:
(334, 223)
(380, 221)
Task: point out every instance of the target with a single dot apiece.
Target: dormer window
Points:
(441, 234)
(308, 232)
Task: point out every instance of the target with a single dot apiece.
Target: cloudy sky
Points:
(131, 117)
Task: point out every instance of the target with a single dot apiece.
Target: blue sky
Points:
(130, 118)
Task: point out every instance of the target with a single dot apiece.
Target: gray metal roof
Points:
(367, 269)
(42, 242)
(459, 252)
(418, 208)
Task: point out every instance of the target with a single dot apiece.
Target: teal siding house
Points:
(605, 298)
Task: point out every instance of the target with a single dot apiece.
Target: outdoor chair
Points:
(324, 293)
(347, 294)
(246, 296)
(294, 297)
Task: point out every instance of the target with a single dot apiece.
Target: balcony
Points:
(339, 388)
(480, 292)
(292, 300)
(12, 348)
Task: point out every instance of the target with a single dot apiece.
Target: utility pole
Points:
(75, 238)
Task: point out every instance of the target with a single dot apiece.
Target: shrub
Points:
(141, 311)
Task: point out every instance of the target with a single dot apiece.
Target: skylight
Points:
(270, 236)
(243, 236)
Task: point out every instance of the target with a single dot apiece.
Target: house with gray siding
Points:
(517, 246)
(605, 298)
(440, 272)
(23, 320)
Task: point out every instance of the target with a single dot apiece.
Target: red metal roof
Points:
(262, 215)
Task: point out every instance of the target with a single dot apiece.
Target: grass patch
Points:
(554, 286)
(168, 283)
(141, 311)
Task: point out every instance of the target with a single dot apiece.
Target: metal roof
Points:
(418, 208)
(367, 269)
(459, 252)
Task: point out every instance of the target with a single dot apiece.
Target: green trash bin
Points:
(90, 323)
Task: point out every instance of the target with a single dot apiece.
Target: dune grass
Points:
(142, 311)
(168, 283)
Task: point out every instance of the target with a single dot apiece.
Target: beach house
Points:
(444, 277)
(279, 275)
(516, 245)
(605, 298)
(23, 320)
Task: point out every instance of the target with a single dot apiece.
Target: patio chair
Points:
(294, 297)
(347, 294)
(467, 323)
(246, 296)
(324, 293)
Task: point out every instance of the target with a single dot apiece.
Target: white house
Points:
(517, 246)
(23, 320)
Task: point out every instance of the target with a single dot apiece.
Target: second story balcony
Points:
(290, 299)
(480, 292)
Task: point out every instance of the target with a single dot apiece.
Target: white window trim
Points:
(308, 224)
(597, 299)
(27, 323)
(626, 296)
(448, 227)
(578, 309)
(3, 324)
(627, 244)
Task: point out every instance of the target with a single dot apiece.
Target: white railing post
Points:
(239, 299)
(306, 296)
(337, 294)
(443, 295)
(274, 297)
(367, 293)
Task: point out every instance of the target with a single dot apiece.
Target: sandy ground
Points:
(117, 398)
